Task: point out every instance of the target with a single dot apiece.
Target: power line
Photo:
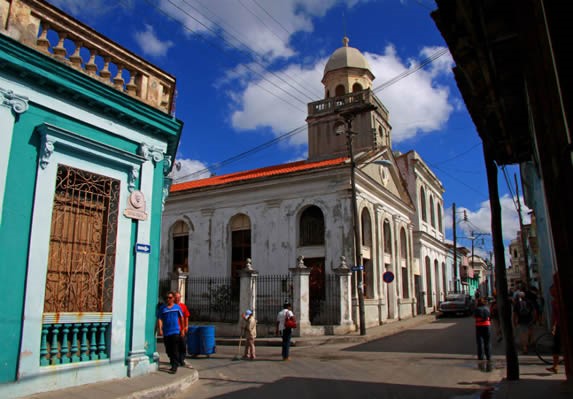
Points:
(247, 66)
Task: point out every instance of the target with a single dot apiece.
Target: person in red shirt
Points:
(184, 326)
(483, 333)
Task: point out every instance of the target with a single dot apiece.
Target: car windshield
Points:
(456, 298)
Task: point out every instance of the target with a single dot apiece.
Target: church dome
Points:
(346, 57)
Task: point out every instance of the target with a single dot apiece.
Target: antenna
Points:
(344, 23)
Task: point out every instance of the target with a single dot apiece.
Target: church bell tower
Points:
(347, 81)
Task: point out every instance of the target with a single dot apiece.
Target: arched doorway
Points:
(240, 248)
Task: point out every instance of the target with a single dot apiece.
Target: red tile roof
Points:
(257, 173)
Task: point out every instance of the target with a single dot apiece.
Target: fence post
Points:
(300, 300)
(248, 289)
(182, 284)
(344, 285)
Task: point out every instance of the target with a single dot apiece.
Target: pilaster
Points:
(301, 296)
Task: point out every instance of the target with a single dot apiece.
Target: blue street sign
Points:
(143, 248)
(357, 268)
(388, 277)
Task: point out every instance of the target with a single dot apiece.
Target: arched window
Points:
(429, 281)
(340, 91)
(311, 230)
(356, 87)
(240, 247)
(439, 206)
(423, 204)
(180, 239)
(404, 264)
(432, 213)
(366, 228)
(387, 237)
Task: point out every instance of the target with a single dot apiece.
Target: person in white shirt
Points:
(285, 332)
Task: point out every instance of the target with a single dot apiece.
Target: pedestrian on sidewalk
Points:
(184, 328)
(283, 330)
(483, 334)
(524, 317)
(250, 332)
(555, 330)
(169, 318)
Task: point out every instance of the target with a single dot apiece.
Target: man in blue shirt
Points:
(169, 320)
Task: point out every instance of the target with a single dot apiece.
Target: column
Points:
(301, 295)
(344, 285)
(138, 361)
(11, 106)
(248, 283)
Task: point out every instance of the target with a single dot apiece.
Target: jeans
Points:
(287, 333)
(483, 335)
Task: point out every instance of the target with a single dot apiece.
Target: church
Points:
(353, 201)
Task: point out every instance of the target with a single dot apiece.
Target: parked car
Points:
(457, 303)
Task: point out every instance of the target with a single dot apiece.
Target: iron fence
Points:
(212, 299)
(272, 291)
(324, 303)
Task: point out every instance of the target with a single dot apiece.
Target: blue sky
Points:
(246, 69)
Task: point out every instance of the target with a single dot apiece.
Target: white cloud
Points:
(264, 27)
(480, 219)
(150, 43)
(189, 169)
(416, 103)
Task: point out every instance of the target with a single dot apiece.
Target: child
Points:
(250, 331)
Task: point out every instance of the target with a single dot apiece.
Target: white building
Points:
(275, 214)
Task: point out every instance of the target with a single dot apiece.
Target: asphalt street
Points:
(433, 360)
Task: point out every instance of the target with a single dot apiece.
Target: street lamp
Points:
(346, 128)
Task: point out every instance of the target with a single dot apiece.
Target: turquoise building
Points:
(87, 138)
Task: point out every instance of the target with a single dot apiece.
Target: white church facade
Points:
(302, 213)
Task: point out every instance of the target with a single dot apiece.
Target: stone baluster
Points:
(74, 350)
(65, 344)
(91, 67)
(105, 73)
(131, 87)
(60, 50)
(118, 79)
(102, 348)
(84, 342)
(76, 58)
(93, 341)
(44, 346)
(54, 350)
(42, 42)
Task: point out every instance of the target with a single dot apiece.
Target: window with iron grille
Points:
(83, 237)
(312, 226)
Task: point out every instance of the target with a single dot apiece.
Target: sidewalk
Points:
(535, 382)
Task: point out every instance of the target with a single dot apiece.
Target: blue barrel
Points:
(206, 340)
(193, 340)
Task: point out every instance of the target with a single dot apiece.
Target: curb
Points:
(167, 390)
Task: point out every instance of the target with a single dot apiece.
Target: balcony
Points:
(346, 102)
(43, 27)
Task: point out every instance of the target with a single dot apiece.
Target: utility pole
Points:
(522, 234)
(455, 248)
(348, 116)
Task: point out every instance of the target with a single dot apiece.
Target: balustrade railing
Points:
(74, 337)
(340, 103)
(45, 28)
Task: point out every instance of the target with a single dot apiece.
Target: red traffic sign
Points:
(388, 277)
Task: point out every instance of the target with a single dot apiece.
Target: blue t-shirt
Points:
(170, 317)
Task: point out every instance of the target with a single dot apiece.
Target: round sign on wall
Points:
(388, 277)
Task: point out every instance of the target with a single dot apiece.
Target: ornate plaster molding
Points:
(133, 175)
(167, 165)
(8, 98)
(46, 150)
(166, 186)
(151, 153)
